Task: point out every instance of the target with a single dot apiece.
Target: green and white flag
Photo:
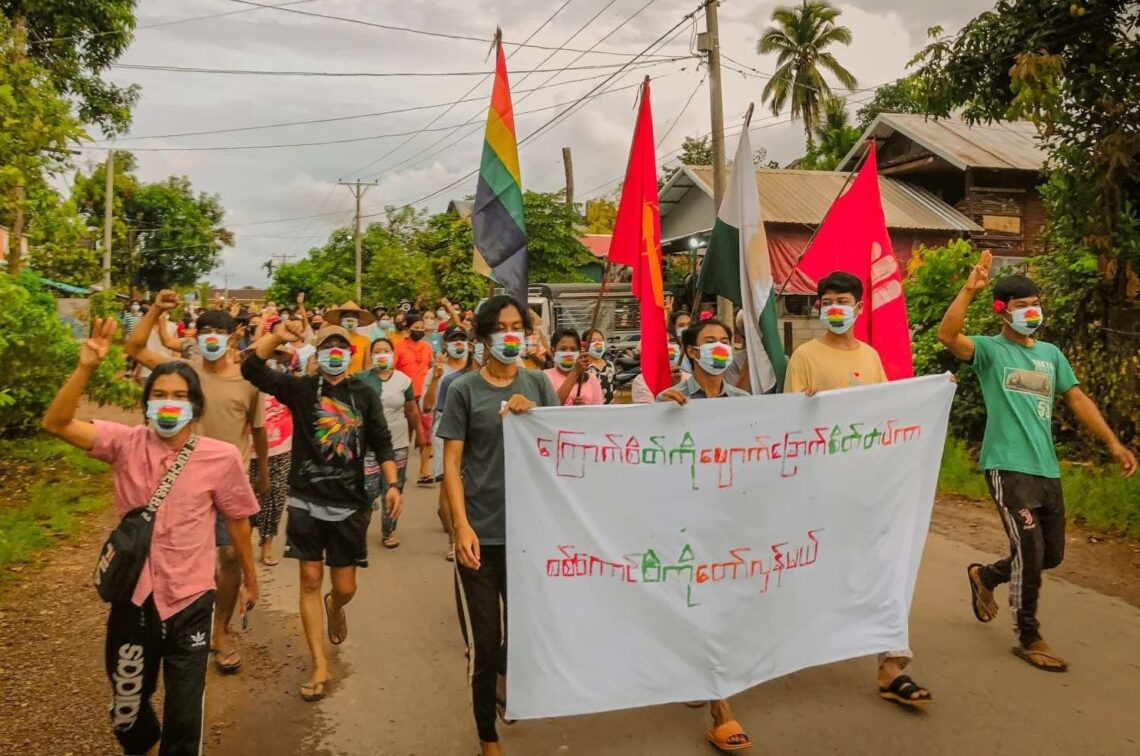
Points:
(737, 267)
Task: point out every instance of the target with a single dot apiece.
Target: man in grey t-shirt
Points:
(472, 416)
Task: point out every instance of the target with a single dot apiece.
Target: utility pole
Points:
(358, 189)
(709, 43)
(108, 202)
(568, 164)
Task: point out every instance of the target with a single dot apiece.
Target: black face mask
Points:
(416, 335)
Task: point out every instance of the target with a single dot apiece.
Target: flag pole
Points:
(842, 189)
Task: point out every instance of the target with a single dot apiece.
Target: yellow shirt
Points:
(361, 359)
(819, 367)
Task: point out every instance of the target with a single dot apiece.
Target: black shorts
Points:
(337, 544)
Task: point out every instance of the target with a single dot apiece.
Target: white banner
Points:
(660, 553)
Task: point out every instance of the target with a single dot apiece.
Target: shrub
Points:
(38, 352)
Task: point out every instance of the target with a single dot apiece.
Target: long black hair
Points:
(193, 384)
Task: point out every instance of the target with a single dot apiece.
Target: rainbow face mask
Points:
(212, 345)
(1026, 320)
(168, 416)
(674, 355)
(597, 349)
(457, 350)
(564, 361)
(334, 360)
(383, 360)
(715, 357)
(507, 346)
(837, 318)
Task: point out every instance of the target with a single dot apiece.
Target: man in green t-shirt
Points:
(1020, 379)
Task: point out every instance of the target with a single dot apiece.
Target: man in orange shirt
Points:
(414, 359)
(349, 316)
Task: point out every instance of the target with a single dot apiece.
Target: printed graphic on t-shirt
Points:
(855, 378)
(337, 426)
(1036, 382)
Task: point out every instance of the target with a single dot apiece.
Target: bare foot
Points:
(491, 749)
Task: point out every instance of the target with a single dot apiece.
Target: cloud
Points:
(288, 186)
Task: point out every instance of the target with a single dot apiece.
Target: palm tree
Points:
(801, 35)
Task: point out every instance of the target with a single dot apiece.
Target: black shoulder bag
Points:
(124, 554)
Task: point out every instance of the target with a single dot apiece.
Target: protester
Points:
(414, 359)
(455, 356)
(594, 344)
(838, 360)
(350, 317)
(639, 388)
(537, 355)
(1020, 378)
(709, 348)
(475, 481)
(401, 412)
(166, 621)
(571, 377)
(131, 317)
(477, 352)
(432, 334)
(234, 409)
(279, 440)
(335, 422)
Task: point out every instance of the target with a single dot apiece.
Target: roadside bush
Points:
(935, 277)
(38, 352)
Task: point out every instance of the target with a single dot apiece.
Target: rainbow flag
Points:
(497, 222)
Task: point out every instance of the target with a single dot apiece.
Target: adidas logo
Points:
(197, 640)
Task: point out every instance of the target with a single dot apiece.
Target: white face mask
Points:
(349, 324)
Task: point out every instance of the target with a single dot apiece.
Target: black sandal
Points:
(902, 690)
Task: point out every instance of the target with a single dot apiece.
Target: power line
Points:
(368, 74)
(474, 86)
(423, 32)
(336, 119)
(677, 119)
(172, 22)
(550, 55)
(348, 140)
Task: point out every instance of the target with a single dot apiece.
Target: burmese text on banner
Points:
(664, 553)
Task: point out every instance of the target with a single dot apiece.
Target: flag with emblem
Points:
(497, 220)
(737, 266)
(636, 242)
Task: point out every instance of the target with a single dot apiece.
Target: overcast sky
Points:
(270, 194)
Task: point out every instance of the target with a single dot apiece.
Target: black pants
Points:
(137, 641)
(484, 596)
(1032, 511)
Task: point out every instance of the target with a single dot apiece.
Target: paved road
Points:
(403, 689)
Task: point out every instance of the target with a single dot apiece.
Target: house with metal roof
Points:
(794, 203)
(988, 172)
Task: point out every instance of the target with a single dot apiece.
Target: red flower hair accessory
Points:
(999, 306)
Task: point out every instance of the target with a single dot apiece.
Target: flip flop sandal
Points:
(902, 690)
(720, 736)
(1033, 658)
(227, 668)
(316, 694)
(343, 622)
(390, 542)
(426, 481)
(985, 611)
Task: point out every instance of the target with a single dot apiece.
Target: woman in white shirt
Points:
(640, 389)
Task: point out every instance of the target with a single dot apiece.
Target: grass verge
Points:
(1096, 497)
(47, 488)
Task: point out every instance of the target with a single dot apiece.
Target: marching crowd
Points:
(255, 413)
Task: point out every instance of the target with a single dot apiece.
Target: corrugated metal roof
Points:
(1010, 145)
(797, 196)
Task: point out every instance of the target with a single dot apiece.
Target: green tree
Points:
(834, 138)
(36, 135)
(801, 36)
(601, 213)
(903, 96)
(164, 234)
(1073, 70)
(447, 241)
(556, 255)
(75, 42)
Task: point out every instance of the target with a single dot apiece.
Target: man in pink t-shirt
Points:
(167, 620)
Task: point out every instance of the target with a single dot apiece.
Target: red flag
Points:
(854, 239)
(637, 243)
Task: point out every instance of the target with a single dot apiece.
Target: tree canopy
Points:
(800, 36)
(834, 138)
(903, 96)
(75, 42)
